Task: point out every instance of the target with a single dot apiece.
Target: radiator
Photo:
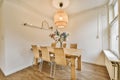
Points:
(112, 65)
(113, 69)
(118, 71)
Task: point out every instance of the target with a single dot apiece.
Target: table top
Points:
(67, 51)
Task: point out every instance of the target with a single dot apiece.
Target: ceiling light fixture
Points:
(61, 17)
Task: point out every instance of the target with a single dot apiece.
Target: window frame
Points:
(112, 19)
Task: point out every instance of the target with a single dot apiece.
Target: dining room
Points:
(59, 40)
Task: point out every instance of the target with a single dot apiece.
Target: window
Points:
(115, 6)
(114, 40)
(114, 30)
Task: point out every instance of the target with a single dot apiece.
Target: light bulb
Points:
(60, 26)
(60, 18)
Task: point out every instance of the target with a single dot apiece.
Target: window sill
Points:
(111, 56)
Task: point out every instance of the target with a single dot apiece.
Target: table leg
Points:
(79, 63)
(73, 72)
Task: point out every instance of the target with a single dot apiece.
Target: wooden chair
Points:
(74, 46)
(64, 45)
(36, 53)
(46, 57)
(60, 58)
(53, 45)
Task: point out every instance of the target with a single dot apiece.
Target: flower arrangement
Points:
(59, 37)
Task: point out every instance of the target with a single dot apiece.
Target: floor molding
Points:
(93, 64)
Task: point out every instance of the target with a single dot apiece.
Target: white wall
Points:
(2, 47)
(0, 34)
(18, 38)
(84, 28)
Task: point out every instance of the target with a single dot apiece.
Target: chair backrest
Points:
(64, 45)
(35, 51)
(74, 46)
(53, 45)
(60, 58)
(45, 53)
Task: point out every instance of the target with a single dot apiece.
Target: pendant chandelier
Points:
(61, 17)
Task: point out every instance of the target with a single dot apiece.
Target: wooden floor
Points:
(89, 72)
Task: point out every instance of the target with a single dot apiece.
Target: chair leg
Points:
(51, 67)
(54, 70)
(40, 65)
(33, 61)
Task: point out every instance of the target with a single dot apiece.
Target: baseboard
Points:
(1, 71)
(93, 63)
(7, 73)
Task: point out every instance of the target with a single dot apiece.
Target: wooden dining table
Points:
(73, 54)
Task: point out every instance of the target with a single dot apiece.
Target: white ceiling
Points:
(46, 6)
